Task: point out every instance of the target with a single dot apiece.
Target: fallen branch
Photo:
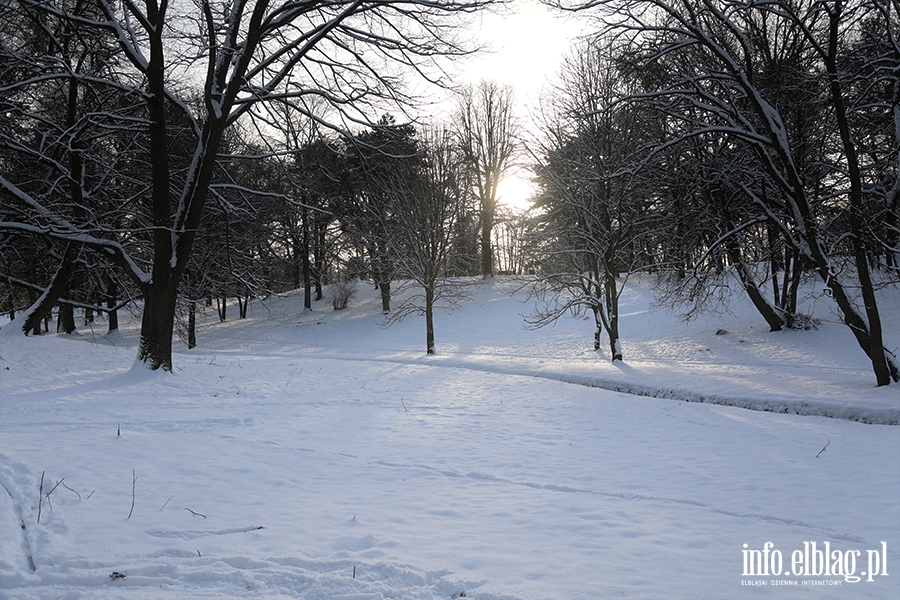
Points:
(133, 481)
(71, 490)
(47, 495)
(195, 514)
(40, 496)
(823, 448)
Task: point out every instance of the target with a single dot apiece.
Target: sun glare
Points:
(515, 193)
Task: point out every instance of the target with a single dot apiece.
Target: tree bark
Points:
(65, 320)
(487, 250)
(612, 308)
(385, 287)
(192, 325)
(307, 268)
(429, 320)
(157, 324)
(111, 293)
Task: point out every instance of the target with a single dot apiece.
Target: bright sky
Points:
(525, 43)
(524, 46)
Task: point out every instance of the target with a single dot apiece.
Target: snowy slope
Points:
(318, 455)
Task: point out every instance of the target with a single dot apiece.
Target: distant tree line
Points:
(181, 154)
(235, 150)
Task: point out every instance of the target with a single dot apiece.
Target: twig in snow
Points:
(823, 448)
(40, 496)
(47, 495)
(71, 490)
(195, 514)
(167, 501)
(133, 481)
(89, 495)
(403, 404)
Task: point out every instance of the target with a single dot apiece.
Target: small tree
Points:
(589, 220)
(426, 208)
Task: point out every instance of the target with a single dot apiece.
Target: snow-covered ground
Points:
(317, 455)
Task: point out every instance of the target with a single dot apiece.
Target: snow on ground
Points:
(317, 455)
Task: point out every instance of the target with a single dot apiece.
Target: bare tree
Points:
(590, 220)
(426, 208)
(487, 135)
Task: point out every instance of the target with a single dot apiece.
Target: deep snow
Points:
(317, 455)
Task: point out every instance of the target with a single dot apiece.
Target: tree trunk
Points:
(385, 287)
(243, 304)
(429, 319)
(111, 293)
(157, 324)
(612, 309)
(296, 266)
(487, 253)
(58, 286)
(768, 312)
(319, 258)
(775, 261)
(65, 320)
(192, 325)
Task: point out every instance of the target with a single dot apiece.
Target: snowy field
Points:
(317, 455)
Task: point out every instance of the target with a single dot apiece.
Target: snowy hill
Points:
(299, 454)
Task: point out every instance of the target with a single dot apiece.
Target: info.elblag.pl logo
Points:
(814, 560)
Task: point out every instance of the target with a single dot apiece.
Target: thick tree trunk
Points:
(243, 305)
(65, 320)
(157, 324)
(775, 260)
(385, 287)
